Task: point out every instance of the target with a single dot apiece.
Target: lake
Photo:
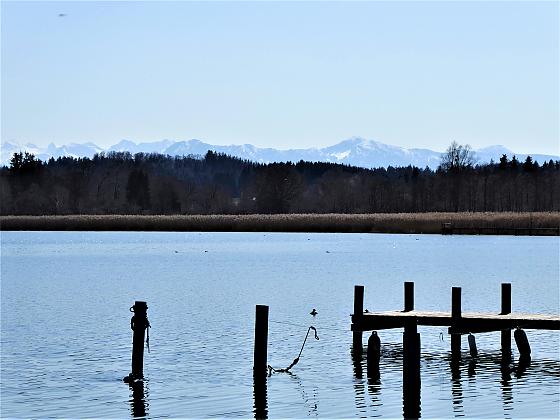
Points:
(66, 338)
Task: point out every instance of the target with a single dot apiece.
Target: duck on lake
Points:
(313, 312)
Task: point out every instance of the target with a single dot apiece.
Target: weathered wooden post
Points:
(138, 323)
(411, 370)
(506, 334)
(261, 340)
(522, 343)
(373, 356)
(260, 362)
(358, 312)
(374, 348)
(472, 346)
(455, 321)
(408, 296)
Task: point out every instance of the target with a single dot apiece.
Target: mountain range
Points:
(355, 151)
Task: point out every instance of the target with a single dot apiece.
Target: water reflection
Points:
(260, 406)
(478, 371)
(455, 362)
(357, 355)
(310, 401)
(139, 399)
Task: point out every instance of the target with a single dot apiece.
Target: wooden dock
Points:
(449, 228)
(459, 323)
(469, 322)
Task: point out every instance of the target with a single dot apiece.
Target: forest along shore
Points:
(499, 223)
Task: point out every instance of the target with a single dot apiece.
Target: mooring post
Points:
(138, 324)
(506, 309)
(260, 366)
(261, 340)
(455, 320)
(358, 311)
(408, 296)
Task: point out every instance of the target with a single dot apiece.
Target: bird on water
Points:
(313, 312)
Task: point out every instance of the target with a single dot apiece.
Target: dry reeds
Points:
(542, 223)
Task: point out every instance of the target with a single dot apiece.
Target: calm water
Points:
(66, 338)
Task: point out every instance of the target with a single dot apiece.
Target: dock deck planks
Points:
(468, 322)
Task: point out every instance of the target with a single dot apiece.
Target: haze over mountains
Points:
(355, 151)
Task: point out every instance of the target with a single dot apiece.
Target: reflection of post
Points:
(357, 357)
(138, 405)
(358, 311)
(522, 365)
(259, 362)
(506, 334)
(411, 371)
(456, 388)
(359, 387)
(507, 397)
(260, 397)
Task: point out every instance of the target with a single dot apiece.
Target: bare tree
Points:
(457, 158)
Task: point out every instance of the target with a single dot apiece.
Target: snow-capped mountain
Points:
(355, 151)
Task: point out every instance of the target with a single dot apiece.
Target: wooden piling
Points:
(261, 341)
(374, 348)
(138, 324)
(506, 298)
(455, 320)
(408, 296)
(522, 343)
(358, 311)
(411, 371)
(472, 346)
(505, 310)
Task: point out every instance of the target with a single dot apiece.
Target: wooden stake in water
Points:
(261, 341)
(138, 324)
(259, 362)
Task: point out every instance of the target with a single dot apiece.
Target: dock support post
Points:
(411, 370)
(506, 334)
(138, 324)
(408, 296)
(455, 320)
(358, 311)
(260, 363)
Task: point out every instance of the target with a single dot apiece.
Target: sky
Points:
(282, 74)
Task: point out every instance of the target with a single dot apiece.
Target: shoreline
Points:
(535, 223)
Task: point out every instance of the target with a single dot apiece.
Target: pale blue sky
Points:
(283, 74)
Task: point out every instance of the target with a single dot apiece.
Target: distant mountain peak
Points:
(357, 151)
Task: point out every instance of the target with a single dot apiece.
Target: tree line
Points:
(122, 183)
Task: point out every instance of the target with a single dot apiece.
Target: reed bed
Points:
(542, 223)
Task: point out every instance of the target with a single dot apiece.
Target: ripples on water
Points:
(66, 338)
